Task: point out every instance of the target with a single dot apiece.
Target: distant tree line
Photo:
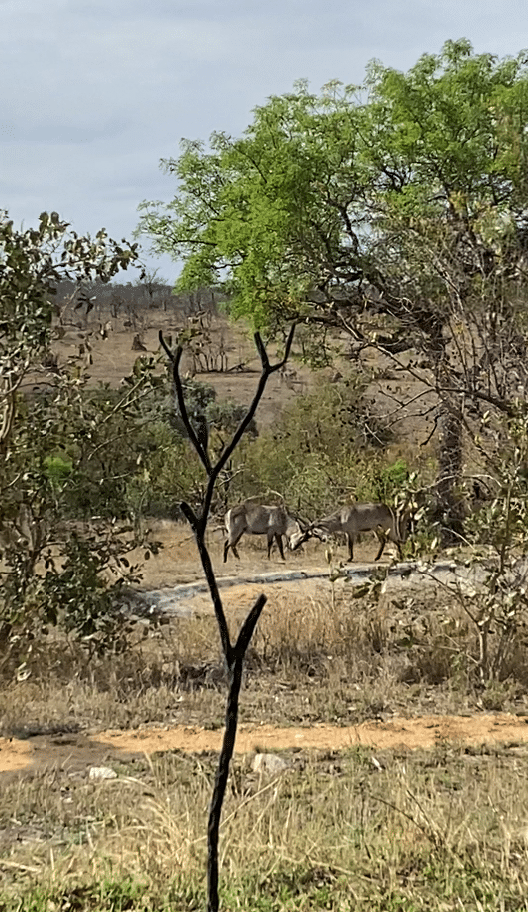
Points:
(118, 298)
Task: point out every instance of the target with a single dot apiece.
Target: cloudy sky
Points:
(93, 93)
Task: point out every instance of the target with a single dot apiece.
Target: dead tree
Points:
(234, 654)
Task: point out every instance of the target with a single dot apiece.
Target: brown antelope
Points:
(361, 517)
(274, 522)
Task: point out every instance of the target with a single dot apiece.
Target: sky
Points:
(93, 93)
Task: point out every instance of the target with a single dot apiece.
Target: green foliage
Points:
(170, 472)
(82, 600)
(76, 592)
(266, 189)
(390, 479)
(222, 416)
(57, 470)
(63, 451)
(497, 603)
(109, 441)
(33, 262)
(394, 212)
(322, 451)
(43, 489)
(302, 199)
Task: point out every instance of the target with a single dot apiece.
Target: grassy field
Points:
(355, 829)
(439, 830)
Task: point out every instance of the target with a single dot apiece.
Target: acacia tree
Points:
(396, 211)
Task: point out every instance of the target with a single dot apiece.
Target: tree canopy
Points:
(318, 201)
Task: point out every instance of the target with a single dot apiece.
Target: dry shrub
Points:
(418, 638)
(311, 660)
(62, 688)
(310, 636)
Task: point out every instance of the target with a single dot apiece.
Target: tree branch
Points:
(233, 655)
(176, 358)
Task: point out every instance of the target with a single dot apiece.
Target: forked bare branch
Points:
(234, 655)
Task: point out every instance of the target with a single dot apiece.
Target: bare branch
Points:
(176, 358)
(233, 655)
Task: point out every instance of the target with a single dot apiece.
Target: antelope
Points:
(274, 522)
(362, 517)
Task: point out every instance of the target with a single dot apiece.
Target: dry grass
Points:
(426, 827)
(439, 830)
(309, 662)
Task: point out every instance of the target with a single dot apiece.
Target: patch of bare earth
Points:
(114, 357)
(72, 752)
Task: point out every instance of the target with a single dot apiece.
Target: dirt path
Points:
(193, 599)
(82, 751)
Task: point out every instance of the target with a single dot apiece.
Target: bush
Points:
(170, 472)
(82, 600)
(319, 454)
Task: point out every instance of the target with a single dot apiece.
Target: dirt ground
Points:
(75, 752)
(113, 358)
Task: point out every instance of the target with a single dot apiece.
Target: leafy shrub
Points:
(58, 470)
(82, 600)
(202, 404)
(170, 472)
(318, 454)
(389, 479)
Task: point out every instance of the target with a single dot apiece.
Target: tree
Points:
(49, 429)
(396, 211)
(32, 263)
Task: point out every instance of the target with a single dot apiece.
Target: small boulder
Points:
(102, 772)
(270, 764)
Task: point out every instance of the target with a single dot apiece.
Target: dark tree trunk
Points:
(450, 509)
(233, 655)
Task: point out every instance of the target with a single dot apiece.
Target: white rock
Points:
(102, 772)
(270, 764)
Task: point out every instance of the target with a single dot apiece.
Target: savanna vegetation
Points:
(388, 223)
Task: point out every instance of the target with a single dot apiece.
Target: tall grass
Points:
(357, 829)
(445, 830)
(312, 659)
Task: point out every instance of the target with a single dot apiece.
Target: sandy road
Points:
(77, 752)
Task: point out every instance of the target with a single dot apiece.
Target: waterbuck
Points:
(361, 517)
(274, 522)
